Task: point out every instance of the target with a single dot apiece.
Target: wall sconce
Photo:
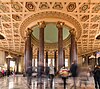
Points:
(97, 36)
(2, 36)
(9, 56)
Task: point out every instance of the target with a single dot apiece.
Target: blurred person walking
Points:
(64, 74)
(51, 73)
(96, 75)
(74, 72)
(40, 71)
(29, 75)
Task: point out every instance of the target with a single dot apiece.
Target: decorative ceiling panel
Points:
(30, 6)
(71, 6)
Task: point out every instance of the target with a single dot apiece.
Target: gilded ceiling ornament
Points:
(6, 18)
(16, 17)
(84, 8)
(17, 7)
(96, 8)
(85, 25)
(95, 18)
(58, 5)
(4, 8)
(93, 26)
(71, 6)
(85, 18)
(44, 5)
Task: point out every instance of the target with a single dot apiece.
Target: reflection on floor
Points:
(20, 82)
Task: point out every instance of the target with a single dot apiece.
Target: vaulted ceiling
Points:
(86, 13)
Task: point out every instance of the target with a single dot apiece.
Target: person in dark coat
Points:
(74, 72)
(29, 74)
(47, 70)
(40, 71)
(8, 73)
(96, 75)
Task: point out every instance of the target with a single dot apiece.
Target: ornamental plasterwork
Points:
(87, 14)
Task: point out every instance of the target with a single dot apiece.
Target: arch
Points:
(51, 16)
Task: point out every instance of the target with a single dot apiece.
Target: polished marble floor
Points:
(20, 82)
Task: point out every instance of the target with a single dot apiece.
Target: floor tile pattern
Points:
(20, 82)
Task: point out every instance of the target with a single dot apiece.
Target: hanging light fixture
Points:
(9, 56)
(92, 56)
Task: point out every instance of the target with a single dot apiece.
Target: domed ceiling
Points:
(50, 33)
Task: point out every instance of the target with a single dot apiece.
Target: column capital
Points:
(42, 24)
(59, 24)
(28, 32)
(72, 31)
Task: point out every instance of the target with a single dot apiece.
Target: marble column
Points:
(60, 44)
(55, 58)
(28, 49)
(86, 59)
(42, 25)
(25, 56)
(73, 47)
(64, 56)
(38, 57)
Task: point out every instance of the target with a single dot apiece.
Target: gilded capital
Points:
(72, 31)
(42, 24)
(60, 24)
(28, 32)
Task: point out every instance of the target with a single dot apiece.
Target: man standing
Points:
(96, 76)
(74, 72)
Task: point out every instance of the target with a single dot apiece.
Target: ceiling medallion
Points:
(84, 8)
(84, 18)
(17, 7)
(30, 6)
(71, 7)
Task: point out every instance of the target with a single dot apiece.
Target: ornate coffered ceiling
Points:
(83, 15)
